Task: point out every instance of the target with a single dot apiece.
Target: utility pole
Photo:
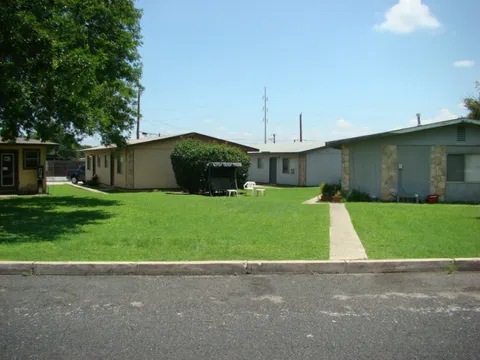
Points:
(301, 132)
(138, 112)
(265, 99)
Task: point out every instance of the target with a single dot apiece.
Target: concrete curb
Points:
(238, 267)
(89, 189)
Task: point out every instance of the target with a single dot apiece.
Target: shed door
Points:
(8, 171)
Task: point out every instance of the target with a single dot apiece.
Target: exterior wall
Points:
(27, 178)
(345, 168)
(259, 175)
(414, 177)
(287, 179)
(323, 165)
(130, 168)
(102, 171)
(389, 171)
(153, 167)
(365, 168)
(362, 162)
(119, 180)
(438, 171)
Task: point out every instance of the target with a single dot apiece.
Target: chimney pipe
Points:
(301, 135)
(418, 119)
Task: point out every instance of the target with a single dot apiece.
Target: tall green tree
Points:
(69, 64)
(473, 105)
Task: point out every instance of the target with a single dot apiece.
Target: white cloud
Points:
(443, 114)
(463, 63)
(408, 16)
(462, 106)
(344, 128)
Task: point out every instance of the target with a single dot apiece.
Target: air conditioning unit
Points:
(292, 171)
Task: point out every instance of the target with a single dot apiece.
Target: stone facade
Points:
(130, 155)
(438, 171)
(345, 168)
(302, 169)
(389, 171)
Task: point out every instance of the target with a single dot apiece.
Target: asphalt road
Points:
(396, 316)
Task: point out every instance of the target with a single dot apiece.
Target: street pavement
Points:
(371, 316)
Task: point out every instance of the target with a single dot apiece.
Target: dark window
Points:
(286, 165)
(260, 163)
(105, 161)
(461, 135)
(455, 167)
(120, 164)
(89, 162)
(31, 159)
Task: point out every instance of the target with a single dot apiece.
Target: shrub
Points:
(190, 158)
(329, 189)
(358, 196)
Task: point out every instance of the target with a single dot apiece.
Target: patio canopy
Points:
(224, 164)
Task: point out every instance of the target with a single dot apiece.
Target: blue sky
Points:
(351, 67)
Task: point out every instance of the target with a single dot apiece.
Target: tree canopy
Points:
(473, 105)
(72, 65)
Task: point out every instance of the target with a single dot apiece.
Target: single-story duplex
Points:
(298, 164)
(143, 163)
(22, 166)
(441, 159)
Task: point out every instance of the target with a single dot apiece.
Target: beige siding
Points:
(153, 168)
(102, 171)
(120, 179)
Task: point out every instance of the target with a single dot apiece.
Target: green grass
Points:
(402, 231)
(74, 224)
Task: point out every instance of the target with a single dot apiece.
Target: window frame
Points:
(260, 163)
(288, 166)
(25, 151)
(464, 181)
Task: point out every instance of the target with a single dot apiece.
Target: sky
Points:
(351, 67)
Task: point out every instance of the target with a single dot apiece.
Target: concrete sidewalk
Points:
(344, 241)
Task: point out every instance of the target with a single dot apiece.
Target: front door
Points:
(8, 172)
(273, 170)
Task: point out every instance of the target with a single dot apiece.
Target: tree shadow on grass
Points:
(46, 218)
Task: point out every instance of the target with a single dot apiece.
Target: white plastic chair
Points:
(250, 185)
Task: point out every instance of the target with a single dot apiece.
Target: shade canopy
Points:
(224, 164)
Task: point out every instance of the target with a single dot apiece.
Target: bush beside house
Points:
(190, 158)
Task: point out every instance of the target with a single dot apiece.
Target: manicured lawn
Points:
(417, 231)
(74, 224)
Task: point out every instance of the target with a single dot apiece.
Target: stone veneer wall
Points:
(130, 155)
(345, 168)
(438, 171)
(389, 171)
(302, 169)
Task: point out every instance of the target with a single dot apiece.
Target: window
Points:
(89, 162)
(105, 159)
(119, 164)
(99, 162)
(31, 159)
(286, 165)
(260, 163)
(463, 167)
(461, 136)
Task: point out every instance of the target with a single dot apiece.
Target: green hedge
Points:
(329, 190)
(190, 158)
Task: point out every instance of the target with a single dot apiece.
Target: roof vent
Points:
(418, 119)
(461, 135)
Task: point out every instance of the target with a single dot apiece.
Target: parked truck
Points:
(76, 175)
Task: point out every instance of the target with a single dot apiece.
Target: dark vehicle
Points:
(76, 175)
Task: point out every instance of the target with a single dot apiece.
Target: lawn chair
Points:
(251, 185)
